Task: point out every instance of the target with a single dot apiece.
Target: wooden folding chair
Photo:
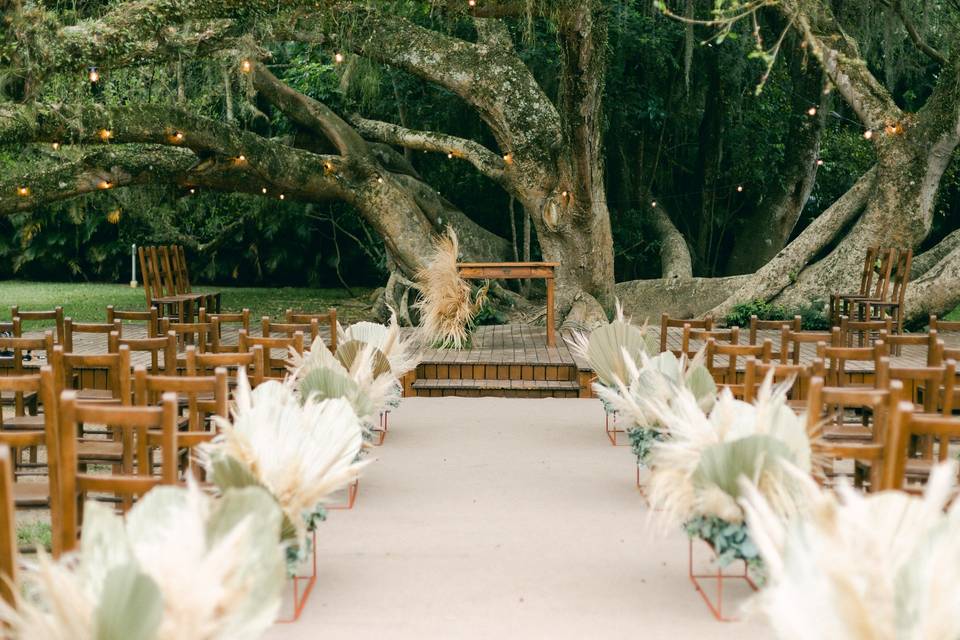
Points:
(837, 358)
(135, 480)
(692, 335)
(835, 436)
(8, 532)
(149, 318)
(210, 300)
(890, 302)
(181, 307)
(219, 321)
(757, 325)
(931, 389)
(55, 314)
(198, 334)
(268, 328)
(329, 318)
(161, 349)
(906, 426)
(24, 403)
(727, 374)
(874, 282)
(203, 397)
(866, 331)
(272, 364)
(73, 329)
(791, 343)
(755, 372)
(115, 368)
(204, 364)
(36, 494)
(667, 323)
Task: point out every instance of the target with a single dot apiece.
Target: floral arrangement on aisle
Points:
(695, 473)
(656, 380)
(301, 450)
(447, 305)
(180, 565)
(885, 565)
(359, 373)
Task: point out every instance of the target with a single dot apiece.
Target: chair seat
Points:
(96, 395)
(31, 494)
(24, 423)
(100, 450)
(29, 397)
(852, 432)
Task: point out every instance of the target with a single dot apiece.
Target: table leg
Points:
(551, 341)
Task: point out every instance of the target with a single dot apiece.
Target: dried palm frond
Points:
(446, 304)
(182, 565)
(402, 353)
(359, 373)
(880, 566)
(695, 472)
(604, 348)
(301, 452)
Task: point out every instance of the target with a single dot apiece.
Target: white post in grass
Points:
(133, 266)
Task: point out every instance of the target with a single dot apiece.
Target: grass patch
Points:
(32, 534)
(87, 302)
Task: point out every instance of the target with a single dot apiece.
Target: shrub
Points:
(812, 315)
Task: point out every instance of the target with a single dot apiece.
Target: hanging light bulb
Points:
(819, 162)
(246, 66)
(177, 137)
(105, 134)
(94, 75)
(380, 179)
(472, 3)
(104, 184)
(264, 190)
(812, 111)
(739, 188)
(338, 57)
(281, 196)
(508, 158)
(56, 146)
(868, 134)
(450, 155)
(192, 190)
(653, 204)
(23, 191)
(241, 158)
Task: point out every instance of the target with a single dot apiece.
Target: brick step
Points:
(432, 387)
(503, 372)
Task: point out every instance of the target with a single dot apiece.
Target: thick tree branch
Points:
(486, 162)
(840, 58)
(675, 261)
(915, 36)
(925, 261)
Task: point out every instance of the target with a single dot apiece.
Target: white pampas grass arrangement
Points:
(300, 451)
(695, 472)
(605, 346)
(446, 304)
(180, 565)
(883, 566)
(402, 353)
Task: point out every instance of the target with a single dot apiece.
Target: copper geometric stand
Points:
(381, 432)
(302, 586)
(716, 608)
(612, 431)
(352, 491)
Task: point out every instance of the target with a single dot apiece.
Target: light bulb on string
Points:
(338, 57)
(868, 134)
(264, 190)
(94, 75)
(281, 196)
(23, 191)
(739, 188)
(241, 158)
(56, 146)
(177, 137)
(379, 179)
(508, 158)
(654, 204)
(105, 134)
(450, 156)
(819, 162)
(471, 3)
(246, 66)
(812, 111)
(104, 184)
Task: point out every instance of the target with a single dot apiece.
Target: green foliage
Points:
(730, 541)
(34, 534)
(812, 315)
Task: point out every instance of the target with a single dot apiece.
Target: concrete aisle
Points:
(494, 518)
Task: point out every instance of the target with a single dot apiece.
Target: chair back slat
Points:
(667, 323)
(55, 314)
(329, 318)
(8, 531)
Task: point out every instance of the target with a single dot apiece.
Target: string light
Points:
(241, 158)
(192, 190)
(338, 57)
(508, 158)
(472, 3)
(812, 111)
(246, 66)
(105, 134)
(56, 146)
(654, 204)
(264, 190)
(94, 75)
(450, 155)
(739, 188)
(104, 184)
(177, 137)
(281, 196)
(819, 162)
(868, 134)
(23, 192)
(379, 179)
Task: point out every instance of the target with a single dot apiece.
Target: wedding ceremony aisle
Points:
(503, 518)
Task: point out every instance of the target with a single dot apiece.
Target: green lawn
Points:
(88, 302)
